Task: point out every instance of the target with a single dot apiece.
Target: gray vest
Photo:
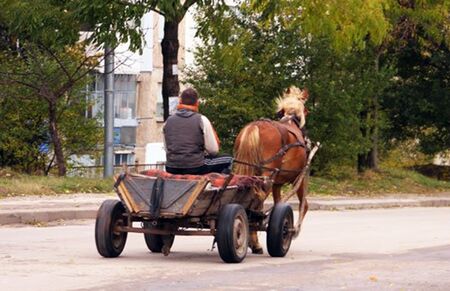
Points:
(185, 144)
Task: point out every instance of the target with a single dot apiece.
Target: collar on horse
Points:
(294, 118)
(284, 131)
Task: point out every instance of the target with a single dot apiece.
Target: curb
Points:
(442, 202)
(44, 215)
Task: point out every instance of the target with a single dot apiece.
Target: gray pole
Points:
(108, 169)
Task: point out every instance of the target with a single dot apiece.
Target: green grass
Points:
(13, 184)
(387, 181)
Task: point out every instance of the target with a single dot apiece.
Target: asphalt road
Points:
(393, 249)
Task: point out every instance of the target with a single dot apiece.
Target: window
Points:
(124, 96)
(95, 95)
(123, 158)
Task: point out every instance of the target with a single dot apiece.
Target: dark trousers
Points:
(216, 164)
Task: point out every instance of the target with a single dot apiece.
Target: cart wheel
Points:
(155, 242)
(232, 233)
(110, 243)
(279, 231)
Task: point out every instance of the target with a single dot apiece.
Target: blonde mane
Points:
(293, 103)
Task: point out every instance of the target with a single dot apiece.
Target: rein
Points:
(281, 152)
(261, 167)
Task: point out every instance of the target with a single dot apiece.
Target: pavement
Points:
(43, 209)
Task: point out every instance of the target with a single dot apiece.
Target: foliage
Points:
(342, 87)
(124, 17)
(419, 103)
(44, 72)
(347, 54)
(404, 154)
(346, 23)
(22, 133)
(241, 79)
(26, 142)
(241, 71)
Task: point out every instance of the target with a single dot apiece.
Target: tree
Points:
(418, 105)
(119, 21)
(22, 132)
(240, 72)
(52, 87)
(426, 21)
(342, 86)
(376, 26)
(249, 58)
(47, 64)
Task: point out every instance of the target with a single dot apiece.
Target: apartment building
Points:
(138, 108)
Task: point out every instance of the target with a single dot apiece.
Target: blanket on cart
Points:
(216, 179)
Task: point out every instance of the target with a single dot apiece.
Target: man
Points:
(191, 141)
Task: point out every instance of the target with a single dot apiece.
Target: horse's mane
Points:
(292, 103)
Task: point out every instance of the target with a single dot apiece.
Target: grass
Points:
(13, 184)
(387, 181)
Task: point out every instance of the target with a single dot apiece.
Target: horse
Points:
(265, 145)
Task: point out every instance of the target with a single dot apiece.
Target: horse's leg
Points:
(276, 192)
(254, 242)
(303, 205)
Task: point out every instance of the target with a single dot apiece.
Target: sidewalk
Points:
(42, 209)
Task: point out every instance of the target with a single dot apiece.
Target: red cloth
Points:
(216, 179)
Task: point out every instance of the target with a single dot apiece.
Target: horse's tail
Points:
(247, 151)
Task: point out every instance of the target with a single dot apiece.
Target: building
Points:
(138, 111)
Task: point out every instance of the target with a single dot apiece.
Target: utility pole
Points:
(108, 166)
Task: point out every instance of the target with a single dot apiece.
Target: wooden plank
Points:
(134, 206)
(197, 190)
(123, 198)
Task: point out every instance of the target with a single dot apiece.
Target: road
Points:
(394, 249)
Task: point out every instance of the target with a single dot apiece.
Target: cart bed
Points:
(158, 194)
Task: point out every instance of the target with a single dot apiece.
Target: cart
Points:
(162, 206)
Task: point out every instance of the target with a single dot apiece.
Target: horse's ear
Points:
(305, 94)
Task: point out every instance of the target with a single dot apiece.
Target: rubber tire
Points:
(110, 244)
(155, 242)
(278, 239)
(225, 235)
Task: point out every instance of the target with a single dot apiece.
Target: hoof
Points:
(257, 251)
(165, 250)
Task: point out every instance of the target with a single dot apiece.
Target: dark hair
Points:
(189, 96)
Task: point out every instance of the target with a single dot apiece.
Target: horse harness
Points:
(284, 129)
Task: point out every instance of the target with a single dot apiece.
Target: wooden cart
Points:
(169, 206)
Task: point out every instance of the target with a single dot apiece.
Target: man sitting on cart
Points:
(190, 140)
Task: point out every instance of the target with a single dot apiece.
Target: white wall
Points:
(155, 153)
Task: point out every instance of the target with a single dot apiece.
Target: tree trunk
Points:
(56, 140)
(362, 157)
(170, 45)
(369, 160)
(373, 154)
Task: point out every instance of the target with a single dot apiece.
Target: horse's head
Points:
(293, 103)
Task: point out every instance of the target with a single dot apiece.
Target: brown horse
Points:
(264, 145)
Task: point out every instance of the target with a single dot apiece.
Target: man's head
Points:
(189, 97)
